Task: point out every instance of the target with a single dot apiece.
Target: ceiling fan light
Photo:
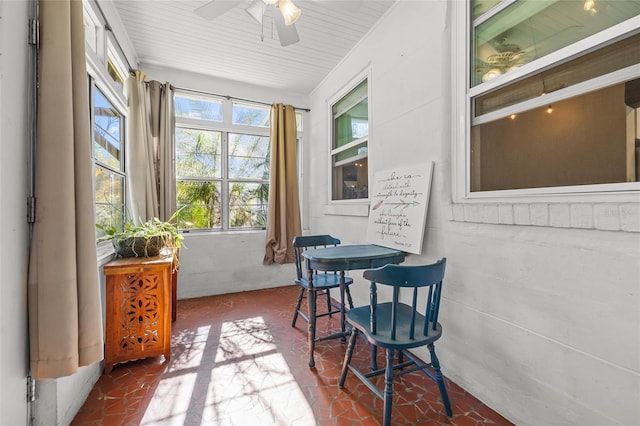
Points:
(255, 10)
(290, 11)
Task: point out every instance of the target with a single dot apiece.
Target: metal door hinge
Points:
(31, 209)
(31, 389)
(34, 32)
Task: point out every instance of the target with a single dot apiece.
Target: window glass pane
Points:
(617, 56)
(531, 29)
(91, 27)
(352, 125)
(107, 132)
(354, 97)
(248, 156)
(191, 106)
(588, 139)
(251, 115)
(351, 117)
(350, 180)
(109, 199)
(248, 204)
(200, 204)
(299, 123)
(198, 153)
(115, 75)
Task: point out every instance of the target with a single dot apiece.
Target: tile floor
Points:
(236, 360)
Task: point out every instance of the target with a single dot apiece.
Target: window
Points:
(108, 149)
(552, 97)
(222, 162)
(108, 108)
(349, 144)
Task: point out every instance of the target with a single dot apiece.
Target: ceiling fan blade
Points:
(286, 33)
(215, 8)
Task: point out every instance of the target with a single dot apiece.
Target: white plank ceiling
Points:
(168, 33)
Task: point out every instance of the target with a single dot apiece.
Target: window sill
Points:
(608, 216)
(105, 252)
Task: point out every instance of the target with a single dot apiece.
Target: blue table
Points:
(339, 259)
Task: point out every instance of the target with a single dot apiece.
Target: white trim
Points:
(493, 11)
(350, 145)
(601, 82)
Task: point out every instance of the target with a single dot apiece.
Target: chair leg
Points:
(349, 299)
(298, 303)
(311, 299)
(374, 357)
(440, 380)
(343, 288)
(347, 356)
(388, 388)
(328, 293)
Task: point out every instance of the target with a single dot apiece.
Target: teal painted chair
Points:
(322, 282)
(397, 327)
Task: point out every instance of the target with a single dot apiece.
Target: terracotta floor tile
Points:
(236, 360)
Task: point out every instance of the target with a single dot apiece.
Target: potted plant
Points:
(143, 239)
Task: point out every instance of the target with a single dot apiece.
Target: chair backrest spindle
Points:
(414, 306)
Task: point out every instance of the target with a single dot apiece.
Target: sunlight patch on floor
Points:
(170, 401)
(242, 338)
(258, 391)
(249, 383)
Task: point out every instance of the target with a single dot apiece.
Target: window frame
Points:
(337, 97)
(463, 94)
(226, 127)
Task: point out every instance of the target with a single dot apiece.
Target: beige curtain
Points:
(142, 194)
(151, 176)
(65, 317)
(283, 221)
(162, 132)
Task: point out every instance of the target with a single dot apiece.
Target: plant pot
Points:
(140, 246)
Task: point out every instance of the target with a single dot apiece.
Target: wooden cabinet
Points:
(139, 310)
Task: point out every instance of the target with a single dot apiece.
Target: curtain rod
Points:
(231, 97)
(108, 28)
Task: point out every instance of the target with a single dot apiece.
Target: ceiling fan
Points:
(284, 20)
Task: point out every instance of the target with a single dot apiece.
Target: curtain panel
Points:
(163, 133)
(150, 158)
(65, 315)
(283, 218)
(142, 194)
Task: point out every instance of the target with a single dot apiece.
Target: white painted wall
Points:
(542, 323)
(13, 225)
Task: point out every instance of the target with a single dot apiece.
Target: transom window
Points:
(553, 96)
